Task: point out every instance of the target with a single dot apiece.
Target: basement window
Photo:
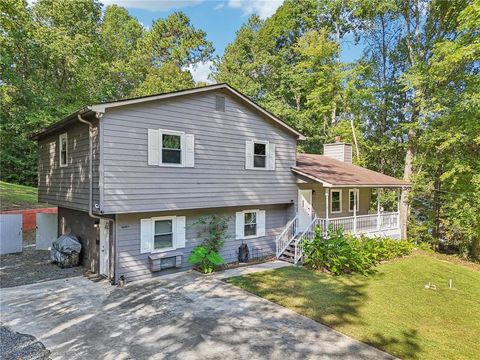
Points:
(250, 221)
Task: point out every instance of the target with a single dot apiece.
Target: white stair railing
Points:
(308, 234)
(286, 236)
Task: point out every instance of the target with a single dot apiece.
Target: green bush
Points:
(205, 259)
(344, 253)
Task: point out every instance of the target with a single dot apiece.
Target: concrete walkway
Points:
(250, 269)
(188, 316)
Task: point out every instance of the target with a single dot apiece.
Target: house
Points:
(131, 177)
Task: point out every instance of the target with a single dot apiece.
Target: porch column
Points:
(399, 192)
(354, 210)
(326, 209)
(379, 218)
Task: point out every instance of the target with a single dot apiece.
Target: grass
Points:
(391, 310)
(13, 197)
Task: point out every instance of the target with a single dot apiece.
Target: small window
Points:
(63, 140)
(219, 103)
(259, 155)
(250, 224)
(351, 199)
(336, 201)
(163, 236)
(168, 263)
(171, 149)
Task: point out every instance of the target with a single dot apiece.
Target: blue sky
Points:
(219, 19)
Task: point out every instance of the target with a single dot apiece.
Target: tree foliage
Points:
(409, 103)
(58, 55)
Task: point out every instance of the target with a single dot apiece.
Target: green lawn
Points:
(391, 310)
(13, 197)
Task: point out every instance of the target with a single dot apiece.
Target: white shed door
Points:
(47, 230)
(10, 233)
(104, 247)
(304, 209)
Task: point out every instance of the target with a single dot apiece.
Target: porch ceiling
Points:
(335, 173)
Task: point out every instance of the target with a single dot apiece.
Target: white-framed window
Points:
(250, 224)
(259, 155)
(335, 201)
(159, 234)
(63, 149)
(170, 148)
(351, 199)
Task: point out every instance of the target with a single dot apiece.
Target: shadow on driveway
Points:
(187, 316)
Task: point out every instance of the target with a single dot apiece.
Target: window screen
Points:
(171, 149)
(250, 224)
(259, 155)
(163, 237)
(336, 206)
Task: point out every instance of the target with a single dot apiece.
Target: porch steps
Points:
(288, 254)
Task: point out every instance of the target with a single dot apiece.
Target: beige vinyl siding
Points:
(135, 266)
(318, 199)
(219, 178)
(68, 186)
(338, 151)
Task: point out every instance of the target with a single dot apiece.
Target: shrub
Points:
(207, 255)
(344, 253)
(205, 259)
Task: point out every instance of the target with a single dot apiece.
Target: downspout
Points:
(90, 168)
(90, 184)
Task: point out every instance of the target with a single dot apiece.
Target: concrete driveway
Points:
(187, 316)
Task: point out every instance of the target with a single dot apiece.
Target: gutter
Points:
(90, 186)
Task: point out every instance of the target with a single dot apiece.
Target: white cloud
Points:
(219, 6)
(152, 5)
(263, 8)
(200, 71)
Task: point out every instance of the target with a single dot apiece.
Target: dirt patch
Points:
(31, 266)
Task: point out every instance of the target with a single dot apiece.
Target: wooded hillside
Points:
(410, 104)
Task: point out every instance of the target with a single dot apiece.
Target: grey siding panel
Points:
(68, 186)
(135, 266)
(219, 178)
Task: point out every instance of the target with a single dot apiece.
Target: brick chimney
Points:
(338, 150)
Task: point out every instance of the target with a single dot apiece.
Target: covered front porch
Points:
(357, 210)
(337, 194)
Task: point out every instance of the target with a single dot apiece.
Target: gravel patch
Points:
(32, 266)
(15, 346)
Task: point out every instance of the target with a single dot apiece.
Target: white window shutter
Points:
(271, 156)
(153, 147)
(239, 225)
(146, 235)
(261, 223)
(248, 154)
(180, 232)
(189, 150)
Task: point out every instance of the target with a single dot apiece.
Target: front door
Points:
(304, 209)
(104, 247)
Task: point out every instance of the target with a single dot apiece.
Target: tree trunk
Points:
(407, 176)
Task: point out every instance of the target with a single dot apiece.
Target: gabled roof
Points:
(336, 173)
(102, 107)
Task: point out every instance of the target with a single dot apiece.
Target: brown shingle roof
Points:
(338, 173)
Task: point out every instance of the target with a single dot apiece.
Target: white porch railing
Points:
(362, 224)
(287, 235)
